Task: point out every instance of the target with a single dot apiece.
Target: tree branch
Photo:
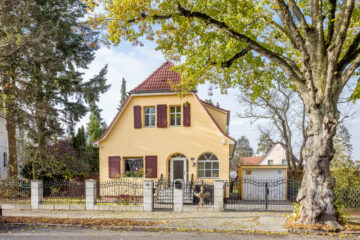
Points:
(300, 16)
(341, 29)
(349, 72)
(352, 52)
(287, 65)
(155, 17)
(230, 61)
(331, 20)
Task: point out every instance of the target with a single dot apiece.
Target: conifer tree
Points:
(123, 93)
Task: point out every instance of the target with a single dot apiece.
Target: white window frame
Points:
(272, 162)
(212, 161)
(283, 161)
(175, 115)
(149, 115)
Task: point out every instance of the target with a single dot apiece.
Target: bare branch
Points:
(349, 72)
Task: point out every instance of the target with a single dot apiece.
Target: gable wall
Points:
(202, 136)
(219, 117)
(277, 154)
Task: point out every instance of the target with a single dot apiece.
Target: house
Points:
(272, 169)
(156, 133)
(275, 156)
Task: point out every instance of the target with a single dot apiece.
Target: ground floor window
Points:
(134, 167)
(208, 166)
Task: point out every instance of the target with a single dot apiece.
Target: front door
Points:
(178, 169)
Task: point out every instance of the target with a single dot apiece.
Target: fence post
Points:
(219, 195)
(90, 194)
(36, 193)
(178, 196)
(266, 195)
(148, 195)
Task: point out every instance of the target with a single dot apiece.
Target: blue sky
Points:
(136, 63)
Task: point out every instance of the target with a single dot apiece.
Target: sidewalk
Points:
(207, 221)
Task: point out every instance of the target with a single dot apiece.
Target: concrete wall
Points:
(201, 137)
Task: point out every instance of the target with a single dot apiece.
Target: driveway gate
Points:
(249, 194)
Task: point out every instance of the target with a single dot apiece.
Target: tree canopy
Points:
(239, 43)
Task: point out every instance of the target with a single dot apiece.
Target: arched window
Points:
(208, 166)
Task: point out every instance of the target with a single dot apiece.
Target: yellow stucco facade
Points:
(206, 134)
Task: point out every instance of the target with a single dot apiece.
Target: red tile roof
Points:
(254, 160)
(160, 80)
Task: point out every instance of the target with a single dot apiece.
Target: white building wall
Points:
(3, 147)
(277, 154)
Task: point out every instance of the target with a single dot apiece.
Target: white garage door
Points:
(253, 184)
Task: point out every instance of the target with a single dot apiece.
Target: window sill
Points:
(149, 126)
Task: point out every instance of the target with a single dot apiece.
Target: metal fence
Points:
(163, 195)
(120, 192)
(348, 198)
(193, 190)
(64, 192)
(15, 191)
(248, 194)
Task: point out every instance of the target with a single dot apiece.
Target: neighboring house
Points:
(3, 149)
(275, 156)
(156, 133)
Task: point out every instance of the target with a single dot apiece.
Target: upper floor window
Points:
(283, 162)
(208, 166)
(149, 116)
(270, 162)
(175, 116)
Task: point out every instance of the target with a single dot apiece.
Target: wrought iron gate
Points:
(163, 195)
(249, 194)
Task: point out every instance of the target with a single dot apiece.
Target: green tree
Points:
(242, 149)
(264, 144)
(235, 43)
(123, 93)
(94, 130)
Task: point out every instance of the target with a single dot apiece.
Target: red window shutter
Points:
(114, 166)
(162, 116)
(137, 116)
(151, 166)
(186, 115)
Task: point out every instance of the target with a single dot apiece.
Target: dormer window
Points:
(149, 116)
(175, 116)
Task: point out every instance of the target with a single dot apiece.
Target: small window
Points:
(270, 162)
(149, 116)
(133, 167)
(175, 116)
(208, 166)
(5, 160)
(248, 172)
(283, 162)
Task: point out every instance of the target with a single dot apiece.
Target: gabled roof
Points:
(272, 148)
(160, 80)
(254, 160)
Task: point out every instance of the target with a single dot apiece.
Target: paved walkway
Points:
(245, 221)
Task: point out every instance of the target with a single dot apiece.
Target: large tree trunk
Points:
(316, 196)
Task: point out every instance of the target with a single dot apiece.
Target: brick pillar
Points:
(219, 186)
(36, 193)
(179, 198)
(148, 195)
(90, 194)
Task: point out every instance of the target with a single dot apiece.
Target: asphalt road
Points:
(82, 233)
